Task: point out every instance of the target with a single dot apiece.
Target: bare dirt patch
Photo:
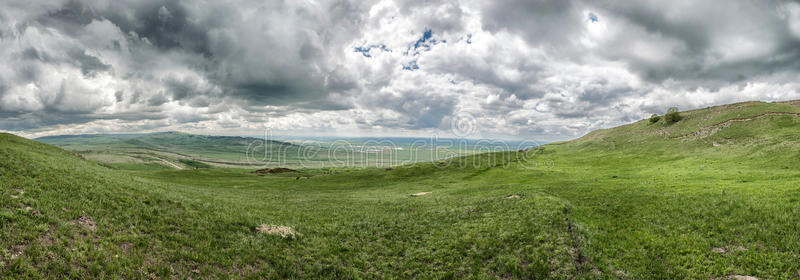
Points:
(46, 239)
(728, 249)
(282, 231)
(513, 196)
(125, 246)
(738, 277)
(275, 170)
(16, 251)
(420, 194)
(87, 223)
(33, 212)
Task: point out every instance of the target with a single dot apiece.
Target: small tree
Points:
(655, 118)
(672, 115)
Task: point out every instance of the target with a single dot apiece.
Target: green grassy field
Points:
(712, 196)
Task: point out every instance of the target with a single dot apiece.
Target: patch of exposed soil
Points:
(46, 239)
(87, 223)
(125, 246)
(275, 170)
(514, 196)
(738, 277)
(16, 251)
(282, 231)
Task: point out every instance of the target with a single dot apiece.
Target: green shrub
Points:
(655, 118)
(672, 115)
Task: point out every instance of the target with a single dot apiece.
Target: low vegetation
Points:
(655, 118)
(672, 115)
(638, 201)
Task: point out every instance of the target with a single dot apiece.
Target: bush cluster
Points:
(655, 118)
(672, 115)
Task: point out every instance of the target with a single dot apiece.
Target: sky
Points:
(501, 69)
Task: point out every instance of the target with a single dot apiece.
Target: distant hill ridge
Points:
(159, 135)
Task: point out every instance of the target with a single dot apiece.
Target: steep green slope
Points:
(715, 194)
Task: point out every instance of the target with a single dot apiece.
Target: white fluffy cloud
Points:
(511, 69)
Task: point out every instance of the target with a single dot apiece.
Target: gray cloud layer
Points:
(528, 69)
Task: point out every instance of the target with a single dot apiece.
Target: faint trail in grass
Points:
(170, 163)
(714, 128)
(582, 262)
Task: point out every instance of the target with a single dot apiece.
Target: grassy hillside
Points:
(712, 196)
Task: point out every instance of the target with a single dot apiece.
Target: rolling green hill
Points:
(712, 196)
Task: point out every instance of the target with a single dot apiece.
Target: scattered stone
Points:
(420, 194)
(719, 250)
(275, 170)
(514, 196)
(87, 223)
(282, 231)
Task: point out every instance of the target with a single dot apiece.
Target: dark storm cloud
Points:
(699, 29)
(540, 21)
(260, 53)
(418, 109)
(710, 20)
(37, 120)
(525, 66)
